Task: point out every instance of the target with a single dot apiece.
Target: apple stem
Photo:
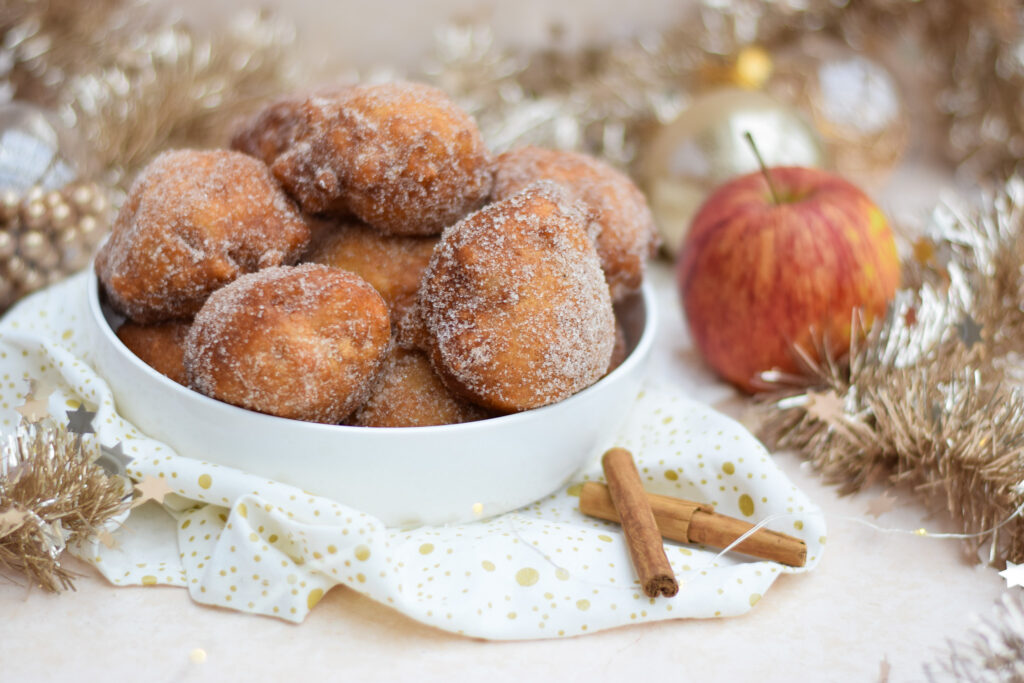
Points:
(764, 167)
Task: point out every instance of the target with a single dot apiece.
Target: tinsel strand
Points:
(51, 495)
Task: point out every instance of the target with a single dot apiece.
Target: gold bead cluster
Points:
(48, 234)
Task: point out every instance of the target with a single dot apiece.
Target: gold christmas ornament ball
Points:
(47, 235)
(705, 146)
(750, 69)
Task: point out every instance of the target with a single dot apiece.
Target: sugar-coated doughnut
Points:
(303, 342)
(408, 393)
(160, 346)
(401, 157)
(393, 264)
(620, 218)
(194, 221)
(515, 303)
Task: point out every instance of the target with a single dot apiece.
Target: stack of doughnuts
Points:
(360, 257)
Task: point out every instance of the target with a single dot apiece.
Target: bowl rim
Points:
(636, 357)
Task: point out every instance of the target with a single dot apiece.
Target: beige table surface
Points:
(875, 596)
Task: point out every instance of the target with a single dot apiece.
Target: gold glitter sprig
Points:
(134, 79)
(968, 72)
(51, 496)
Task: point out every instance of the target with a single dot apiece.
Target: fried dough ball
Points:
(402, 157)
(516, 305)
(393, 264)
(273, 130)
(192, 222)
(160, 346)
(620, 220)
(409, 393)
(303, 342)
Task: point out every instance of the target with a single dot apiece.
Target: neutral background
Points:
(876, 596)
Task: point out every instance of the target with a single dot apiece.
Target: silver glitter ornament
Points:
(852, 100)
(36, 149)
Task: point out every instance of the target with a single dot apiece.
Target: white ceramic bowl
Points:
(404, 476)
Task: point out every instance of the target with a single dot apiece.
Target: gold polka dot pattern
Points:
(545, 571)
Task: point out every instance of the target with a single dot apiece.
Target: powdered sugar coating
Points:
(194, 221)
(620, 220)
(516, 305)
(408, 393)
(393, 264)
(303, 342)
(400, 156)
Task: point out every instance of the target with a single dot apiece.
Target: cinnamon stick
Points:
(689, 522)
(646, 549)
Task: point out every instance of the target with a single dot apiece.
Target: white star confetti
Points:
(1014, 574)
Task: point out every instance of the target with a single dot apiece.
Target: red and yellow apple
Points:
(759, 276)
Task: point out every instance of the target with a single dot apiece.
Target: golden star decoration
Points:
(825, 406)
(924, 251)
(36, 405)
(107, 539)
(880, 505)
(151, 488)
(11, 520)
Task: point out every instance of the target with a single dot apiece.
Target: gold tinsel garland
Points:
(933, 397)
(51, 496)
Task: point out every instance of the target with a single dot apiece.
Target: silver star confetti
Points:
(969, 332)
(114, 460)
(80, 420)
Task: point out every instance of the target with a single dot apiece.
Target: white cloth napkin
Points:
(240, 541)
